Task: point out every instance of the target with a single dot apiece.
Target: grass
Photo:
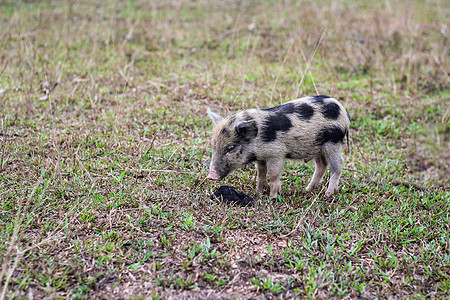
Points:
(104, 144)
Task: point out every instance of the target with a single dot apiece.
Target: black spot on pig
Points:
(331, 110)
(319, 99)
(225, 132)
(232, 196)
(287, 108)
(272, 124)
(333, 134)
(251, 158)
(304, 111)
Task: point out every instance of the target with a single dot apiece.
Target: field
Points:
(104, 147)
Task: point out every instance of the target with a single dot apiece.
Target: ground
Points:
(104, 149)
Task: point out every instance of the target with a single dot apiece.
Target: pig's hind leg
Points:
(334, 155)
(321, 166)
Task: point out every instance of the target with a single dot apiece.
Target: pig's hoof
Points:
(261, 187)
(311, 186)
(274, 193)
(329, 193)
(275, 189)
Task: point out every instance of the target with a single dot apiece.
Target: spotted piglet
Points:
(307, 128)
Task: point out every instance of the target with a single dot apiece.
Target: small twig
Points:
(281, 69)
(411, 184)
(12, 243)
(394, 182)
(304, 214)
(153, 140)
(344, 213)
(308, 63)
(164, 171)
(9, 275)
(314, 83)
(367, 176)
(3, 146)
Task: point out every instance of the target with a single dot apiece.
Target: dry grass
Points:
(104, 144)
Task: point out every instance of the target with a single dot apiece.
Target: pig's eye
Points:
(231, 148)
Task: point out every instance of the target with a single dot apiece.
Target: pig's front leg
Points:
(275, 167)
(261, 165)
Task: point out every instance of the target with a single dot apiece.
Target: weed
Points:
(268, 284)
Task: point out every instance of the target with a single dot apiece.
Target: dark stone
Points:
(272, 124)
(331, 110)
(232, 196)
(333, 134)
(304, 111)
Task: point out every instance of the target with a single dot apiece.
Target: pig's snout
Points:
(213, 175)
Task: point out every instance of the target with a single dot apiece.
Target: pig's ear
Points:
(247, 130)
(213, 116)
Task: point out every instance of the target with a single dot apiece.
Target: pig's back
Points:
(299, 128)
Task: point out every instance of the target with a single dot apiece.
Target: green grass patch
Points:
(104, 147)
